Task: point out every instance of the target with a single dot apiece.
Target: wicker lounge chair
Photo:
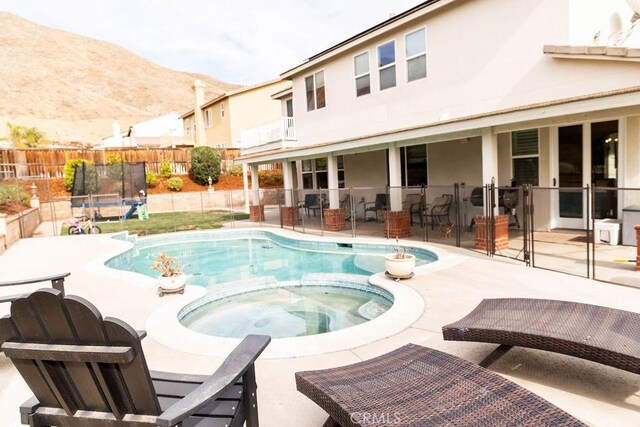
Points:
(418, 386)
(86, 371)
(600, 334)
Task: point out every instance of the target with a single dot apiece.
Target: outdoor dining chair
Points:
(380, 205)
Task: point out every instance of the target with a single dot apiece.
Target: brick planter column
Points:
(334, 219)
(397, 224)
(289, 216)
(637, 227)
(502, 232)
(256, 213)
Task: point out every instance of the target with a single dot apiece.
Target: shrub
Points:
(272, 178)
(69, 171)
(174, 184)
(165, 170)
(236, 169)
(13, 193)
(113, 158)
(205, 163)
(152, 179)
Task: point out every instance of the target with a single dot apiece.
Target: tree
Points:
(22, 136)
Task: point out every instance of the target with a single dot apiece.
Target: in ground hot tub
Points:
(286, 310)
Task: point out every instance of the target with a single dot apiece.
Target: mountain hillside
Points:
(73, 87)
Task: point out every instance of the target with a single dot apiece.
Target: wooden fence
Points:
(37, 162)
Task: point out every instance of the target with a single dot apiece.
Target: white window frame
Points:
(315, 90)
(357, 76)
(525, 156)
(207, 118)
(408, 58)
(314, 173)
(384, 67)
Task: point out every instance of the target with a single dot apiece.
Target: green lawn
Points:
(168, 222)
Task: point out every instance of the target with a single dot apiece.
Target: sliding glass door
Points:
(587, 155)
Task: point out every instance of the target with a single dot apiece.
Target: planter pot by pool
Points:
(400, 267)
(172, 283)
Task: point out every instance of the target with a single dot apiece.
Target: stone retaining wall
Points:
(14, 227)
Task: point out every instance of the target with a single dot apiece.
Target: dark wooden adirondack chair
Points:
(57, 282)
(88, 371)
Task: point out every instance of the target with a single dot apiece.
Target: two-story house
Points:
(221, 122)
(545, 92)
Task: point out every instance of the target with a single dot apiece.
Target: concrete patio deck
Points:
(598, 395)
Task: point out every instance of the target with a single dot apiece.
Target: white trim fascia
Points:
(593, 57)
(506, 122)
(364, 39)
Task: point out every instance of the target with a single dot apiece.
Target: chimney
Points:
(198, 93)
(117, 136)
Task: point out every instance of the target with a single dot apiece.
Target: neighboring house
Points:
(545, 92)
(163, 131)
(249, 111)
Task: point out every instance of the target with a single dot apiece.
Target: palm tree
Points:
(22, 136)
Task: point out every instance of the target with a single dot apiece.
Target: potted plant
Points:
(399, 264)
(172, 278)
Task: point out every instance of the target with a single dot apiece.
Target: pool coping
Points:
(162, 324)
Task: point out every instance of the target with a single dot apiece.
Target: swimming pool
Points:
(221, 257)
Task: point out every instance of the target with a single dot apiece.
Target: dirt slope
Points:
(73, 87)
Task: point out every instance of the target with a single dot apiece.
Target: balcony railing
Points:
(281, 130)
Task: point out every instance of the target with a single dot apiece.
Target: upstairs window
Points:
(387, 65)
(363, 77)
(222, 109)
(207, 117)
(314, 86)
(416, 54)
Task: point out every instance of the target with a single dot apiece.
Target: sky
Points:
(238, 41)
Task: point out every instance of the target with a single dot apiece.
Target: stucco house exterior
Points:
(162, 131)
(221, 121)
(540, 92)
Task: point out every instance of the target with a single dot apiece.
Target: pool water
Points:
(289, 311)
(214, 261)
